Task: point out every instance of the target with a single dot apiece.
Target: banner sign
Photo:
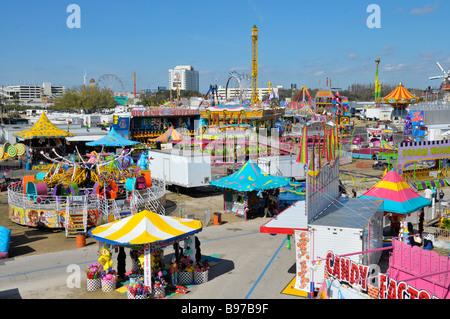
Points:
(303, 263)
(394, 284)
(424, 150)
(147, 267)
(163, 112)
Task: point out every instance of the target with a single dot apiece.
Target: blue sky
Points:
(301, 42)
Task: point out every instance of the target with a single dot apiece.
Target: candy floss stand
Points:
(147, 234)
(323, 222)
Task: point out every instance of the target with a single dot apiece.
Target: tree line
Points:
(95, 99)
(355, 92)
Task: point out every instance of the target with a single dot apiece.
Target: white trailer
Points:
(386, 115)
(180, 168)
(285, 166)
(370, 113)
(347, 227)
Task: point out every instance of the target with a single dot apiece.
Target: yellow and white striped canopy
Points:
(144, 228)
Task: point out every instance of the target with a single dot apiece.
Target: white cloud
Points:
(318, 73)
(240, 69)
(394, 67)
(352, 56)
(426, 9)
(429, 55)
(340, 70)
(387, 50)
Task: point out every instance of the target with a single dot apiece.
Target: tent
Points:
(250, 178)
(398, 197)
(145, 228)
(386, 146)
(43, 128)
(170, 135)
(112, 139)
(399, 96)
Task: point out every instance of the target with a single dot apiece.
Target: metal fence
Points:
(439, 236)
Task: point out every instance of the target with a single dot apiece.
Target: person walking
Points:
(434, 190)
(441, 195)
(428, 193)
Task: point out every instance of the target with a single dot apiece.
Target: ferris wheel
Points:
(240, 85)
(112, 83)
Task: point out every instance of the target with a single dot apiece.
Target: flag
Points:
(87, 126)
(312, 166)
(303, 154)
(320, 154)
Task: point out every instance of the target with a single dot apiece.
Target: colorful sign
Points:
(147, 267)
(303, 263)
(423, 150)
(47, 217)
(417, 117)
(426, 270)
(413, 273)
(163, 112)
(17, 215)
(346, 271)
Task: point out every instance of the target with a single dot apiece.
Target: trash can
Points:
(217, 218)
(81, 239)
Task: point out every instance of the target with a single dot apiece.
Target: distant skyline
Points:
(299, 42)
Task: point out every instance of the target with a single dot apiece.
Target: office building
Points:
(184, 77)
(31, 93)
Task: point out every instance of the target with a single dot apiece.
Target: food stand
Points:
(249, 183)
(147, 234)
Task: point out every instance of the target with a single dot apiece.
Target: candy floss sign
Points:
(302, 252)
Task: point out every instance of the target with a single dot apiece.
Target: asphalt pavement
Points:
(250, 265)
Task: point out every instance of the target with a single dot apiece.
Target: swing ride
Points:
(97, 189)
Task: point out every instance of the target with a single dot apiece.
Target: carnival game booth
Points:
(255, 116)
(81, 193)
(151, 122)
(42, 136)
(244, 188)
(424, 163)
(326, 222)
(147, 235)
(398, 198)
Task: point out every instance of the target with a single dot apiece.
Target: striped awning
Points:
(400, 96)
(145, 228)
(168, 136)
(396, 194)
